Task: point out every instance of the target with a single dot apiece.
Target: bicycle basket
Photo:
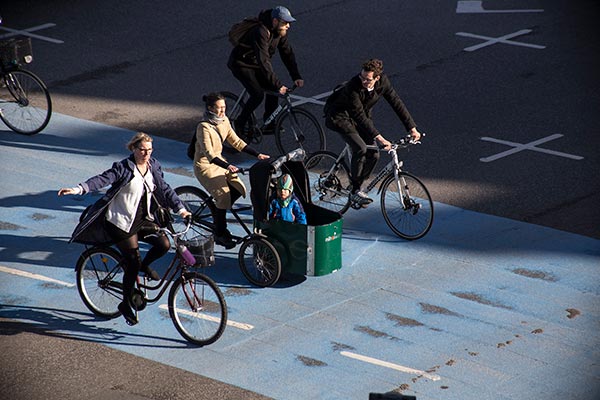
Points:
(203, 249)
(16, 51)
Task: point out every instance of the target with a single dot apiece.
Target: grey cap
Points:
(282, 13)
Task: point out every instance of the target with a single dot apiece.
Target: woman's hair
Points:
(211, 99)
(373, 65)
(137, 139)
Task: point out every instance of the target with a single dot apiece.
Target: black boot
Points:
(222, 235)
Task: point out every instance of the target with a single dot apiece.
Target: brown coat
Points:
(209, 144)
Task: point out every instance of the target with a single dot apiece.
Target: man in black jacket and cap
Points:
(348, 112)
(250, 62)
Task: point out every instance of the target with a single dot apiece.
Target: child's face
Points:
(283, 193)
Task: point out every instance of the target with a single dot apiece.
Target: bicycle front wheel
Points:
(203, 210)
(99, 280)
(299, 128)
(197, 308)
(329, 181)
(259, 261)
(25, 105)
(406, 206)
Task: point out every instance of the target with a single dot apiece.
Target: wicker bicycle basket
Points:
(203, 249)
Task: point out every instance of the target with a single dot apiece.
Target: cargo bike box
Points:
(313, 249)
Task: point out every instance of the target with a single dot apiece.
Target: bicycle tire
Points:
(25, 104)
(259, 261)
(299, 128)
(330, 191)
(409, 218)
(233, 110)
(99, 280)
(197, 308)
(203, 210)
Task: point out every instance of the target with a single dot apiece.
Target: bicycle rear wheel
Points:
(99, 280)
(406, 206)
(197, 308)
(299, 128)
(25, 105)
(329, 182)
(259, 261)
(202, 207)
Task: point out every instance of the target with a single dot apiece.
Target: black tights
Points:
(130, 250)
(221, 214)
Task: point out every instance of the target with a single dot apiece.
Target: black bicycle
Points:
(196, 304)
(295, 127)
(25, 104)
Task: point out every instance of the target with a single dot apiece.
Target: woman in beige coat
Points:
(212, 170)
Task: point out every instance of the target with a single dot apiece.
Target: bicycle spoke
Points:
(299, 128)
(407, 207)
(25, 105)
(198, 309)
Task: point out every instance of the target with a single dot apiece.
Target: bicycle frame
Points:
(394, 165)
(287, 106)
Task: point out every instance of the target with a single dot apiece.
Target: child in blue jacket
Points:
(286, 205)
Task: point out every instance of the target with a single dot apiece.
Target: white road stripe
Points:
(239, 325)
(34, 276)
(390, 365)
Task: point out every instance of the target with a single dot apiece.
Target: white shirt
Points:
(121, 210)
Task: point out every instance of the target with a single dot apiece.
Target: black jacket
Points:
(257, 47)
(353, 103)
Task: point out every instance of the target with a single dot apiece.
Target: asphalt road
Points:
(144, 65)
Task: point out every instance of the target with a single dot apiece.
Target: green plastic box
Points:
(314, 249)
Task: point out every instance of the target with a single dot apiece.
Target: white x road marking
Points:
(502, 39)
(517, 147)
(27, 32)
(476, 7)
(314, 99)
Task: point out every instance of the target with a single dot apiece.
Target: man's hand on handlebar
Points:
(383, 142)
(415, 134)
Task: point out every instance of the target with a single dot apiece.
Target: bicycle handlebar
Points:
(188, 224)
(295, 155)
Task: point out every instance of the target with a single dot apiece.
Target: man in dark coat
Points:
(250, 62)
(348, 111)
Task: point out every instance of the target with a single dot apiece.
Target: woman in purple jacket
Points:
(124, 215)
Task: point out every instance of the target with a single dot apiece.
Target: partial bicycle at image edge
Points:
(25, 104)
(405, 202)
(196, 305)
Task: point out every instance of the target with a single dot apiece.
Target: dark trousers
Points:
(128, 245)
(254, 83)
(221, 215)
(363, 159)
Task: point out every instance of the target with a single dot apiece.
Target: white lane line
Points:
(476, 7)
(390, 365)
(233, 324)
(34, 276)
(518, 147)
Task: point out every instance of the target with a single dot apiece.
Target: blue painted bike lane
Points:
(483, 307)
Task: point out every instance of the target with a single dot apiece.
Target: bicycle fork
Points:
(189, 290)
